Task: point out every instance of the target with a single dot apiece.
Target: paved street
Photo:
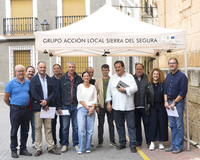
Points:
(106, 152)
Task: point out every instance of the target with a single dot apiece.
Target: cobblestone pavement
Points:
(106, 152)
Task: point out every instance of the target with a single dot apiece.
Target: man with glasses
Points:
(17, 97)
(175, 90)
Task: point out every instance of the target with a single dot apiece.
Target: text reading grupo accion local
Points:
(100, 40)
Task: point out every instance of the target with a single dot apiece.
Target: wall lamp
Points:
(45, 25)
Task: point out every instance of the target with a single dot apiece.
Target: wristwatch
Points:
(174, 102)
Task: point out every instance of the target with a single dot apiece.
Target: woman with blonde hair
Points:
(154, 106)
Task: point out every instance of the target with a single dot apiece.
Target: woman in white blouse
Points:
(87, 98)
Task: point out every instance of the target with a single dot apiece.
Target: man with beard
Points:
(175, 90)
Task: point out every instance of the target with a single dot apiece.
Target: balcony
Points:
(19, 26)
(62, 21)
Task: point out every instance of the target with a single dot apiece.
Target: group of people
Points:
(123, 97)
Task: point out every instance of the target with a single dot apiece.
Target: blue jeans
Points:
(85, 129)
(53, 124)
(177, 125)
(19, 117)
(33, 127)
(140, 114)
(120, 117)
(66, 123)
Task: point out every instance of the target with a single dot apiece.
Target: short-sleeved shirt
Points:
(19, 93)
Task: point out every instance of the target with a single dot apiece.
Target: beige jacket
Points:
(99, 87)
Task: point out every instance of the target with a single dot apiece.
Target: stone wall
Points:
(178, 14)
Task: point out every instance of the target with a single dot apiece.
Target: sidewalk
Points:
(104, 153)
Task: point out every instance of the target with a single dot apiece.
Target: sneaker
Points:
(76, 148)
(33, 145)
(160, 146)
(112, 144)
(64, 149)
(79, 153)
(88, 151)
(99, 145)
(92, 144)
(152, 146)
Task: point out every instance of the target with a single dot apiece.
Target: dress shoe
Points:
(170, 149)
(53, 151)
(176, 151)
(14, 154)
(25, 153)
(38, 153)
(152, 146)
(138, 144)
(133, 149)
(120, 147)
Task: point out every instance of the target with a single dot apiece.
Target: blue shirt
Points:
(19, 93)
(176, 84)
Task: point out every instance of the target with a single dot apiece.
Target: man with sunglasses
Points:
(175, 90)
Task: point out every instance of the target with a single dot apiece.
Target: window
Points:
(23, 58)
(81, 64)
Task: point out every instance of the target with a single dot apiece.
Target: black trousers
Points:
(101, 119)
(158, 123)
(19, 117)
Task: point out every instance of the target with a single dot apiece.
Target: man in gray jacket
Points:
(141, 80)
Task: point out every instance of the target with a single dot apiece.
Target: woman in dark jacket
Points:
(154, 106)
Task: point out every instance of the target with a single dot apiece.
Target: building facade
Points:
(20, 19)
(184, 14)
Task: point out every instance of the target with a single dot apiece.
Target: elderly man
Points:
(17, 97)
(90, 70)
(42, 92)
(66, 99)
(121, 88)
(175, 90)
(141, 81)
(30, 71)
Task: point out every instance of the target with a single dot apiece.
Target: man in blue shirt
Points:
(17, 97)
(175, 89)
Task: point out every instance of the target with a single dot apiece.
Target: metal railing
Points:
(62, 21)
(19, 26)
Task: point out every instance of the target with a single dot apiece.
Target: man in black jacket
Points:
(42, 91)
(141, 80)
(66, 99)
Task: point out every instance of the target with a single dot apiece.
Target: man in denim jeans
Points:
(66, 99)
(175, 89)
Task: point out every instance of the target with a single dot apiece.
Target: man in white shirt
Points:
(122, 104)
